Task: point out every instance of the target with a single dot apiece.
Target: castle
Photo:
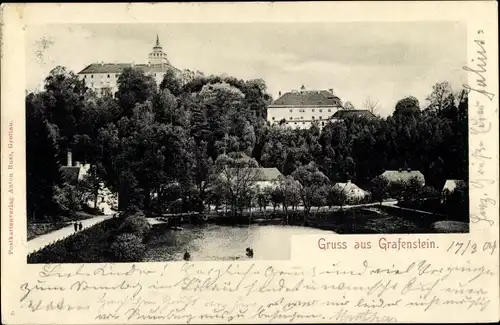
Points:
(103, 77)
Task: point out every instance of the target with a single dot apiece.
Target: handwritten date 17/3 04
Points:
(470, 247)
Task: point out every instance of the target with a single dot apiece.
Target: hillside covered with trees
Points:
(159, 147)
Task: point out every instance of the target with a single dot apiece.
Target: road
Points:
(41, 241)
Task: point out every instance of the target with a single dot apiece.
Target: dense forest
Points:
(155, 145)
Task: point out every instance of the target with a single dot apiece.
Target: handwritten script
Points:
(368, 291)
(480, 124)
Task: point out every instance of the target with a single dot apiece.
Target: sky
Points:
(383, 62)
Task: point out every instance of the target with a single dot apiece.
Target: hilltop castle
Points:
(102, 77)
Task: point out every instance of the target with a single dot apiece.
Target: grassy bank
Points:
(38, 229)
(113, 240)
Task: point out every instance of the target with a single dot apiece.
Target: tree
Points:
(441, 97)
(276, 197)
(68, 197)
(408, 106)
(42, 164)
(289, 191)
(335, 196)
(237, 176)
(93, 183)
(62, 103)
(262, 199)
(379, 189)
(312, 182)
(370, 105)
(412, 189)
(134, 87)
(171, 82)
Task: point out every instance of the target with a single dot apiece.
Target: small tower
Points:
(157, 56)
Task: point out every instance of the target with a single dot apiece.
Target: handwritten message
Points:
(482, 116)
(364, 291)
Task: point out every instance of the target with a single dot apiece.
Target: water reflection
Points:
(211, 242)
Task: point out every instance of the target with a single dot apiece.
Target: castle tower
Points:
(158, 56)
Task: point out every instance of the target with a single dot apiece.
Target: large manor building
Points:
(103, 77)
(301, 108)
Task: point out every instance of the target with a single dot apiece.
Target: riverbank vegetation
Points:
(113, 240)
(163, 149)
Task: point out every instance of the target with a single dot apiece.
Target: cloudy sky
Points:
(381, 61)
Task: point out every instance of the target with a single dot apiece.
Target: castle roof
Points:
(96, 68)
(307, 98)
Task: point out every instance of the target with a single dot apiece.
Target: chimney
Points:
(77, 163)
(279, 93)
(400, 170)
(348, 181)
(331, 90)
(408, 169)
(69, 160)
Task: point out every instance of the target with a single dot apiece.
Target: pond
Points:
(210, 242)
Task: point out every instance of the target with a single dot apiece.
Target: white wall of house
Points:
(107, 201)
(104, 82)
(300, 116)
(266, 184)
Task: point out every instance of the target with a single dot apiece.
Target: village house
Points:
(107, 201)
(301, 108)
(267, 177)
(449, 187)
(402, 176)
(347, 113)
(352, 192)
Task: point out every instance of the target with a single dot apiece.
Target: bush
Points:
(127, 248)
(137, 225)
(92, 210)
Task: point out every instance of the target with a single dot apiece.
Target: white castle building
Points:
(301, 108)
(103, 77)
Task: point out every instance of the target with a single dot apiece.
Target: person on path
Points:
(80, 226)
(75, 225)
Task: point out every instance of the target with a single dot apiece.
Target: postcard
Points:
(196, 163)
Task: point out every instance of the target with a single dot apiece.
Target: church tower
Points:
(157, 56)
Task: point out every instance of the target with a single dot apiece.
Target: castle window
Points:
(313, 117)
(321, 117)
(291, 110)
(320, 110)
(290, 117)
(108, 75)
(329, 110)
(273, 118)
(91, 76)
(313, 110)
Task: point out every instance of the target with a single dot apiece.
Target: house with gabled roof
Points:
(351, 191)
(107, 201)
(402, 176)
(449, 187)
(301, 108)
